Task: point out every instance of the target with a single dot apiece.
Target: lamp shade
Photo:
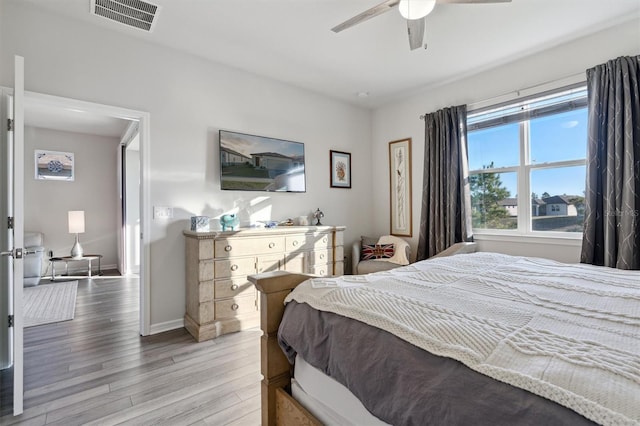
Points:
(76, 221)
(416, 9)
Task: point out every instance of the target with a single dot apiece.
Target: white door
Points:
(13, 213)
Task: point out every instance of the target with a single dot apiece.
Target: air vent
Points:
(133, 13)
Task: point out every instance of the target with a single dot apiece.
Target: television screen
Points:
(258, 163)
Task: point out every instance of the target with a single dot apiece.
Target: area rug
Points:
(47, 303)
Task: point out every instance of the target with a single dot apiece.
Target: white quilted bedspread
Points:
(569, 333)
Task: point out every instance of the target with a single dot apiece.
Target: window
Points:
(527, 164)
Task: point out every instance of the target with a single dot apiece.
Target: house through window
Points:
(527, 163)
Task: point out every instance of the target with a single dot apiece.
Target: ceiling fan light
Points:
(416, 9)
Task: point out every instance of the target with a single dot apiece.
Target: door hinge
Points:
(10, 124)
(10, 318)
(10, 222)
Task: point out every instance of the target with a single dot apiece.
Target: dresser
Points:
(219, 297)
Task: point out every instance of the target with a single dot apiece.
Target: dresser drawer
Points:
(322, 241)
(319, 257)
(228, 247)
(233, 287)
(230, 308)
(235, 267)
(323, 270)
(294, 243)
(307, 242)
(295, 263)
(269, 263)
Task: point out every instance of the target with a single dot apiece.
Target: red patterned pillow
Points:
(377, 251)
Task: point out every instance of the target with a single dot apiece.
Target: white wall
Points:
(94, 190)
(189, 100)
(401, 119)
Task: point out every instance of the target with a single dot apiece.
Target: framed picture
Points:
(400, 188)
(340, 169)
(54, 165)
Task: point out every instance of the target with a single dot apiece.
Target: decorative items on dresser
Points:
(219, 297)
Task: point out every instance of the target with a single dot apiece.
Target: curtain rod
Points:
(557, 83)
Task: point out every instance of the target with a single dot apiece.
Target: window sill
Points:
(574, 240)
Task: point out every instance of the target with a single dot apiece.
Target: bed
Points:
(481, 338)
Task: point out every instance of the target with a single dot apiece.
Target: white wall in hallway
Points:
(94, 190)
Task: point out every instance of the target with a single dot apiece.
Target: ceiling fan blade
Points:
(367, 14)
(473, 1)
(415, 29)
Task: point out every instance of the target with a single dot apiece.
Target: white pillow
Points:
(400, 254)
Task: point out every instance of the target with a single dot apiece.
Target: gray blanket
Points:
(402, 384)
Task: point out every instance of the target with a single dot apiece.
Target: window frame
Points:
(525, 168)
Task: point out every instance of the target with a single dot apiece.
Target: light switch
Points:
(162, 212)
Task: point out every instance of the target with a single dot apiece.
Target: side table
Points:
(67, 259)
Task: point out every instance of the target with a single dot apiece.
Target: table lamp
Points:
(76, 226)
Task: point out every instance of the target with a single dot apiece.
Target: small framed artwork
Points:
(340, 169)
(54, 165)
(400, 189)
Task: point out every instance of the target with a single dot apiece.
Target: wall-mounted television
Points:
(258, 163)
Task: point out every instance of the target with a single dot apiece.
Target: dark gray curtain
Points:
(612, 202)
(446, 214)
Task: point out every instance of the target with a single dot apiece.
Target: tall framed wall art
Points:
(400, 187)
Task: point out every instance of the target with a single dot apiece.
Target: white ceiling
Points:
(291, 41)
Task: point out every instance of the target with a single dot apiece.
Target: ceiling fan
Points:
(414, 11)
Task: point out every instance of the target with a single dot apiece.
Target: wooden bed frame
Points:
(278, 406)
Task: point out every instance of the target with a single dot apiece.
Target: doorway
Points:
(132, 172)
(63, 106)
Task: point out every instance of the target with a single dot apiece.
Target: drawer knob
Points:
(272, 245)
(234, 287)
(324, 240)
(322, 256)
(227, 248)
(234, 267)
(234, 307)
(295, 243)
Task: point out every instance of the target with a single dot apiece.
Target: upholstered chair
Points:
(33, 255)
(361, 266)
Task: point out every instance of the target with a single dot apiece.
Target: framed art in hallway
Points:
(340, 169)
(54, 165)
(400, 187)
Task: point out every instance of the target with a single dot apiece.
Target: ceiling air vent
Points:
(133, 13)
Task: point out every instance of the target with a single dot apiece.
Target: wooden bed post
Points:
(274, 366)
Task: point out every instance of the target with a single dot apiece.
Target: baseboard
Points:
(108, 267)
(166, 326)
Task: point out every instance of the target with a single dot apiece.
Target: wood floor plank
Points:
(252, 418)
(210, 376)
(96, 369)
(94, 413)
(148, 409)
(42, 409)
(199, 406)
(92, 379)
(235, 413)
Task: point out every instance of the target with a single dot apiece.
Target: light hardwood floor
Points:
(96, 369)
